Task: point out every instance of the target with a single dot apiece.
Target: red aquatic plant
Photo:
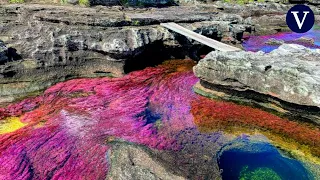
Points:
(214, 114)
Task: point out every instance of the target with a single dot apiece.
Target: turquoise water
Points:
(246, 159)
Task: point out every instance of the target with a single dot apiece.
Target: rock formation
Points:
(267, 18)
(132, 161)
(286, 80)
(55, 43)
(129, 161)
(47, 44)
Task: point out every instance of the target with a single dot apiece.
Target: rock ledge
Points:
(288, 78)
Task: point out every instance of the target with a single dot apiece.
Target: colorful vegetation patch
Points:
(10, 124)
(71, 123)
(258, 174)
(213, 115)
(268, 43)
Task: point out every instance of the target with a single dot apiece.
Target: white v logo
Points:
(295, 14)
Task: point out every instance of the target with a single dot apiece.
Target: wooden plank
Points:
(200, 38)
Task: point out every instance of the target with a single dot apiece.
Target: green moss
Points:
(16, 1)
(158, 124)
(316, 27)
(84, 2)
(135, 23)
(258, 174)
(63, 1)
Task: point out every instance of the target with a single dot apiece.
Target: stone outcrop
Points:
(131, 162)
(50, 44)
(314, 2)
(268, 17)
(286, 80)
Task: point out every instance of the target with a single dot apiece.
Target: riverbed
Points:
(65, 132)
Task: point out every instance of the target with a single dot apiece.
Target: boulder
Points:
(286, 80)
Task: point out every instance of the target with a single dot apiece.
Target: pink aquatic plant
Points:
(68, 128)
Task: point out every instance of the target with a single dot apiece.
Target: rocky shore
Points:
(285, 81)
(150, 124)
(45, 44)
(50, 44)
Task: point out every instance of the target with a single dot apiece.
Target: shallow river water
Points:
(64, 132)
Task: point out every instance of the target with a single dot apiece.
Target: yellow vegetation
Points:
(10, 124)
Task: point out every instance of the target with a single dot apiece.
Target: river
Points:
(64, 132)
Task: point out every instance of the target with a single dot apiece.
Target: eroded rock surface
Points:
(196, 160)
(50, 44)
(267, 17)
(129, 161)
(55, 43)
(288, 77)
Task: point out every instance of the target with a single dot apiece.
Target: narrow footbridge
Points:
(198, 37)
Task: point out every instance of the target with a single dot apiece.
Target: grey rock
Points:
(290, 74)
(196, 160)
(273, 41)
(66, 42)
(3, 52)
(270, 24)
(267, 17)
(315, 2)
(305, 40)
(130, 162)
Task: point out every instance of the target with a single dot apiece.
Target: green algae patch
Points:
(84, 2)
(254, 157)
(16, 1)
(258, 174)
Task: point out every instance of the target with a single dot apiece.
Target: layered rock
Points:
(50, 44)
(267, 17)
(54, 43)
(197, 159)
(130, 161)
(286, 80)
